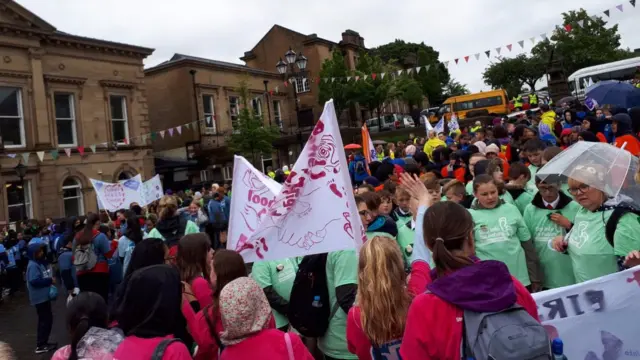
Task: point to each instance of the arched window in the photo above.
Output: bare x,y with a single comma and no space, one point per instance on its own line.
72,197
125,175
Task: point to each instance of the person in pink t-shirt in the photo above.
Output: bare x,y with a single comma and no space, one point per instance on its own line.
246,315
193,259
150,313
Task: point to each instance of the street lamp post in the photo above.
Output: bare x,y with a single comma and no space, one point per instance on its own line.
287,69
21,171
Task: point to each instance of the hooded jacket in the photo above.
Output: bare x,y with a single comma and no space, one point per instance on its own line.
624,134
547,123
355,175
434,323
167,227
38,275
382,224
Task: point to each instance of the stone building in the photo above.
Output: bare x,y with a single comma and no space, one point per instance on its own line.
60,91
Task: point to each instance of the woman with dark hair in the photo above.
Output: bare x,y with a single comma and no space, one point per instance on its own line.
149,315
592,125
171,226
193,262
128,241
92,276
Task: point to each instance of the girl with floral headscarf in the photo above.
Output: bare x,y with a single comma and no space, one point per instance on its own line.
246,315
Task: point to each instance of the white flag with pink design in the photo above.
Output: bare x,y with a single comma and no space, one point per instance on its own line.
120,195
313,212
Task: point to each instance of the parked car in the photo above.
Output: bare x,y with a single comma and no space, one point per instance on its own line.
389,122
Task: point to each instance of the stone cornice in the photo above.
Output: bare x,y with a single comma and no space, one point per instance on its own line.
65,79
15,74
117,84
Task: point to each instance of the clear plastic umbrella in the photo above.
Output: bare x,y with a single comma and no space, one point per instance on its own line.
599,165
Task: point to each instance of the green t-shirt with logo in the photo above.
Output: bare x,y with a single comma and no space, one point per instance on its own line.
556,267
497,234
591,254
469,188
403,219
267,273
531,184
342,269
405,239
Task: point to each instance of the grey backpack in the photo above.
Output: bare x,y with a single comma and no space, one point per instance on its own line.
510,334
84,258
158,352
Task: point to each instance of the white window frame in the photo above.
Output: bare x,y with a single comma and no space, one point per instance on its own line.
123,102
277,114
20,117
303,87
79,198
27,198
209,128
74,134
227,172
206,175
256,105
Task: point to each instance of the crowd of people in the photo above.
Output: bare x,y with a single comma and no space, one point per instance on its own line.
458,225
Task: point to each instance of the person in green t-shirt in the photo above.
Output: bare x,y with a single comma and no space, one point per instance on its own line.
551,213
548,154
473,160
276,279
500,233
402,212
519,176
592,255
533,149
493,168
170,226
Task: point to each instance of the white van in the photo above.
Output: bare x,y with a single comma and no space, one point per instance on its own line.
618,70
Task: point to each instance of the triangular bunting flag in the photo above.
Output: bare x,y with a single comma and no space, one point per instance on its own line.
373,76
13,156
161,133
399,72
318,80
105,145
125,141
67,151
25,158
477,56
325,79
277,87
607,12
456,60
466,58
186,126
521,43
409,71
533,40
93,148
348,78
488,53
543,36
498,50
80,150
619,7
54,154
357,78
285,83
271,92
632,2
418,68
40,155
509,47
179,129
595,18
382,75
171,129
580,23
152,136
568,27
365,77
333,79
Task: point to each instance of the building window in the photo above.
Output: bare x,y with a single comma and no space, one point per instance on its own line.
277,114
72,197
227,172
125,175
11,119
206,175
302,86
19,198
256,104
209,114
233,111
119,122
65,119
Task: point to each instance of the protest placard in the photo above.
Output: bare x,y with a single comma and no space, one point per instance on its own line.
115,196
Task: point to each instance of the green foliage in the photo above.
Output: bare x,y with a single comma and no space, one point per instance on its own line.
454,88
408,89
591,44
336,90
431,81
512,73
251,136
371,93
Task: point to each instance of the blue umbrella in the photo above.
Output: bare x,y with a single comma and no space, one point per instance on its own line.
616,93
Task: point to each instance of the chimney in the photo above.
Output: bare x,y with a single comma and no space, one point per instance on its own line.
353,38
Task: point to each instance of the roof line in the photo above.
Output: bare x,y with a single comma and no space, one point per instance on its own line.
182,59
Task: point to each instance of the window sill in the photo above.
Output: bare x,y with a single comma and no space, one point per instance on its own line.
209,131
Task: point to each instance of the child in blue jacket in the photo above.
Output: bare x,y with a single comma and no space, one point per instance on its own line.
39,281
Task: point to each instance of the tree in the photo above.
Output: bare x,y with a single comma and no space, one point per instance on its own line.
338,90
586,45
407,89
251,137
512,73
454,88
431,80
375,92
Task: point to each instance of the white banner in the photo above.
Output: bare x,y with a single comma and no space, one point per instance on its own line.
152,190
113,197
314,212
597,319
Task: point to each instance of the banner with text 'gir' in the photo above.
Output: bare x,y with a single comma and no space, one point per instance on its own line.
315,211
596,320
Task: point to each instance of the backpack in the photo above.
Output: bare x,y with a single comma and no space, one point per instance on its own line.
360,168
510,334
84,257
612,223
172,238
311,281
158,353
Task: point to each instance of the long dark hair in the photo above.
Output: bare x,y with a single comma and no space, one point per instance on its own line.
192,256
444,236
85,311
134,231
87,233
148,252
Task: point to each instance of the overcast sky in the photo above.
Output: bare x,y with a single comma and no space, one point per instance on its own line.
224,30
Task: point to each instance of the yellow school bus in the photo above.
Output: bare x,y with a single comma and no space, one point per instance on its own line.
495,102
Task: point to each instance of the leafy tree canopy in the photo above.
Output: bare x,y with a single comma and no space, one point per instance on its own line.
454,88
512,73
335,67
